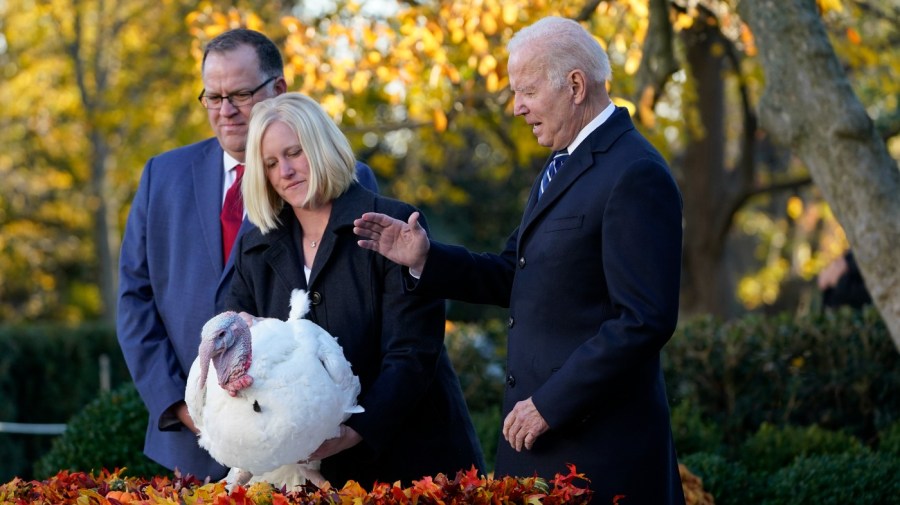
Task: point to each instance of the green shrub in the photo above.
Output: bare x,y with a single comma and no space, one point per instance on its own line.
773,447
692,432
836,479
837,369
487,426
54,370
477,353
889,440
107,433
728,482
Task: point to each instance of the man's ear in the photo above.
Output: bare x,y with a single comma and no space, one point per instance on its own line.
280,86
577,83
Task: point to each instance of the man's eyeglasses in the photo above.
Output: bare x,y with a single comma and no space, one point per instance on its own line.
236,99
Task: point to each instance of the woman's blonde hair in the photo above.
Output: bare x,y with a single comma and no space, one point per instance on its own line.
332,166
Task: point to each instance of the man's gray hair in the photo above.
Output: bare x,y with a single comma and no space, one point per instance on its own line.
564,45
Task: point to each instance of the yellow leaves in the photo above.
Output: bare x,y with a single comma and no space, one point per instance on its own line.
682,21
639,7
440,120
633,60
645,105
487,65
622,102
478,42
794,207
827,6
763,288
202,494
333,104
510,13
492,83
748,41
488,24
360,81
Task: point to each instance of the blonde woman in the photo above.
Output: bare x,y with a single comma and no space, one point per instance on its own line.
300,191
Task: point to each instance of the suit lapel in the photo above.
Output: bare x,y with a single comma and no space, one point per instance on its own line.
207,176
583,159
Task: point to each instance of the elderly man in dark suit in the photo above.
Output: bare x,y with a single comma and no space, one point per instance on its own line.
176,266
591,278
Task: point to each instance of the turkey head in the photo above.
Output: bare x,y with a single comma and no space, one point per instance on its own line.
225,341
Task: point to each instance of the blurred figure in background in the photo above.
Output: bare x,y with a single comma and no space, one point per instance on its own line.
841,283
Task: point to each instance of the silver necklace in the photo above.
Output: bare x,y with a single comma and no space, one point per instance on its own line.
313,244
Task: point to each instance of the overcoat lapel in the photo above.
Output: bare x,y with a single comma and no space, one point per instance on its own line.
344,210
284,251
284,242
580,161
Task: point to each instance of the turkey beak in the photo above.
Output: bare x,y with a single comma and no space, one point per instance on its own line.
205,355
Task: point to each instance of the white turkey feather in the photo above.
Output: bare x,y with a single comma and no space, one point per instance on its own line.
302,389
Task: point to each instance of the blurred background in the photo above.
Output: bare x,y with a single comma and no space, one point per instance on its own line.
90,89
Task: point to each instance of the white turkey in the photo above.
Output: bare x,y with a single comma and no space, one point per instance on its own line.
284,387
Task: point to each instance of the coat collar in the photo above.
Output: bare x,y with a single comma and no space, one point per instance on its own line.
282,245
599,141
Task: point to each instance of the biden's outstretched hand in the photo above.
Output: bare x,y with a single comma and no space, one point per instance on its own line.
403,243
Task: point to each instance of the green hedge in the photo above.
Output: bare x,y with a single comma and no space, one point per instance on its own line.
729,482
839,370
735,387
837,479
773,448
107,433
47,374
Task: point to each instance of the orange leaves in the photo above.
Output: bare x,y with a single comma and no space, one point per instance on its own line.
468,488
418,57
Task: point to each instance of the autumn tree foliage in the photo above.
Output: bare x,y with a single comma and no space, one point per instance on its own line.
421,90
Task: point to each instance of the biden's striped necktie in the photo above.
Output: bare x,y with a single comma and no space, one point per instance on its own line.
558,159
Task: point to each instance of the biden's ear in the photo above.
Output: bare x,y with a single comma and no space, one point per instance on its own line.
577,84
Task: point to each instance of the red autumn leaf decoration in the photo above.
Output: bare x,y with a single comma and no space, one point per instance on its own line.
467,488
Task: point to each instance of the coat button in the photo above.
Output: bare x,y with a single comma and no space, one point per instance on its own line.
510,381
522,262
315,298
511,322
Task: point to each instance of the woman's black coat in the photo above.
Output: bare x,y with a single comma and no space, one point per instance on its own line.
415,422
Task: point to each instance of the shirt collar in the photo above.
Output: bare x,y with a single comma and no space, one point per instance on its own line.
593,125
229,162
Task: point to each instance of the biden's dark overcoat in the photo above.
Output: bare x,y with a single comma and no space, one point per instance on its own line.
591,278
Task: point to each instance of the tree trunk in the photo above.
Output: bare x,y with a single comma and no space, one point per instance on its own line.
104,228
712,190
808,104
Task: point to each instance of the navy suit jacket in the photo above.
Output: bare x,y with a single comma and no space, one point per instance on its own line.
171,281
591,278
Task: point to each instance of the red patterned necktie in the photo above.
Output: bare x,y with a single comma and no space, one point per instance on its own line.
232,214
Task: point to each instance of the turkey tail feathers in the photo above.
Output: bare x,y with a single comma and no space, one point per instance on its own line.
299,304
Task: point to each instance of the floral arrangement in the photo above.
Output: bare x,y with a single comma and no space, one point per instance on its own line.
112,488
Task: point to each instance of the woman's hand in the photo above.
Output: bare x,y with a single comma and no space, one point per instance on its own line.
249,319
347,439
